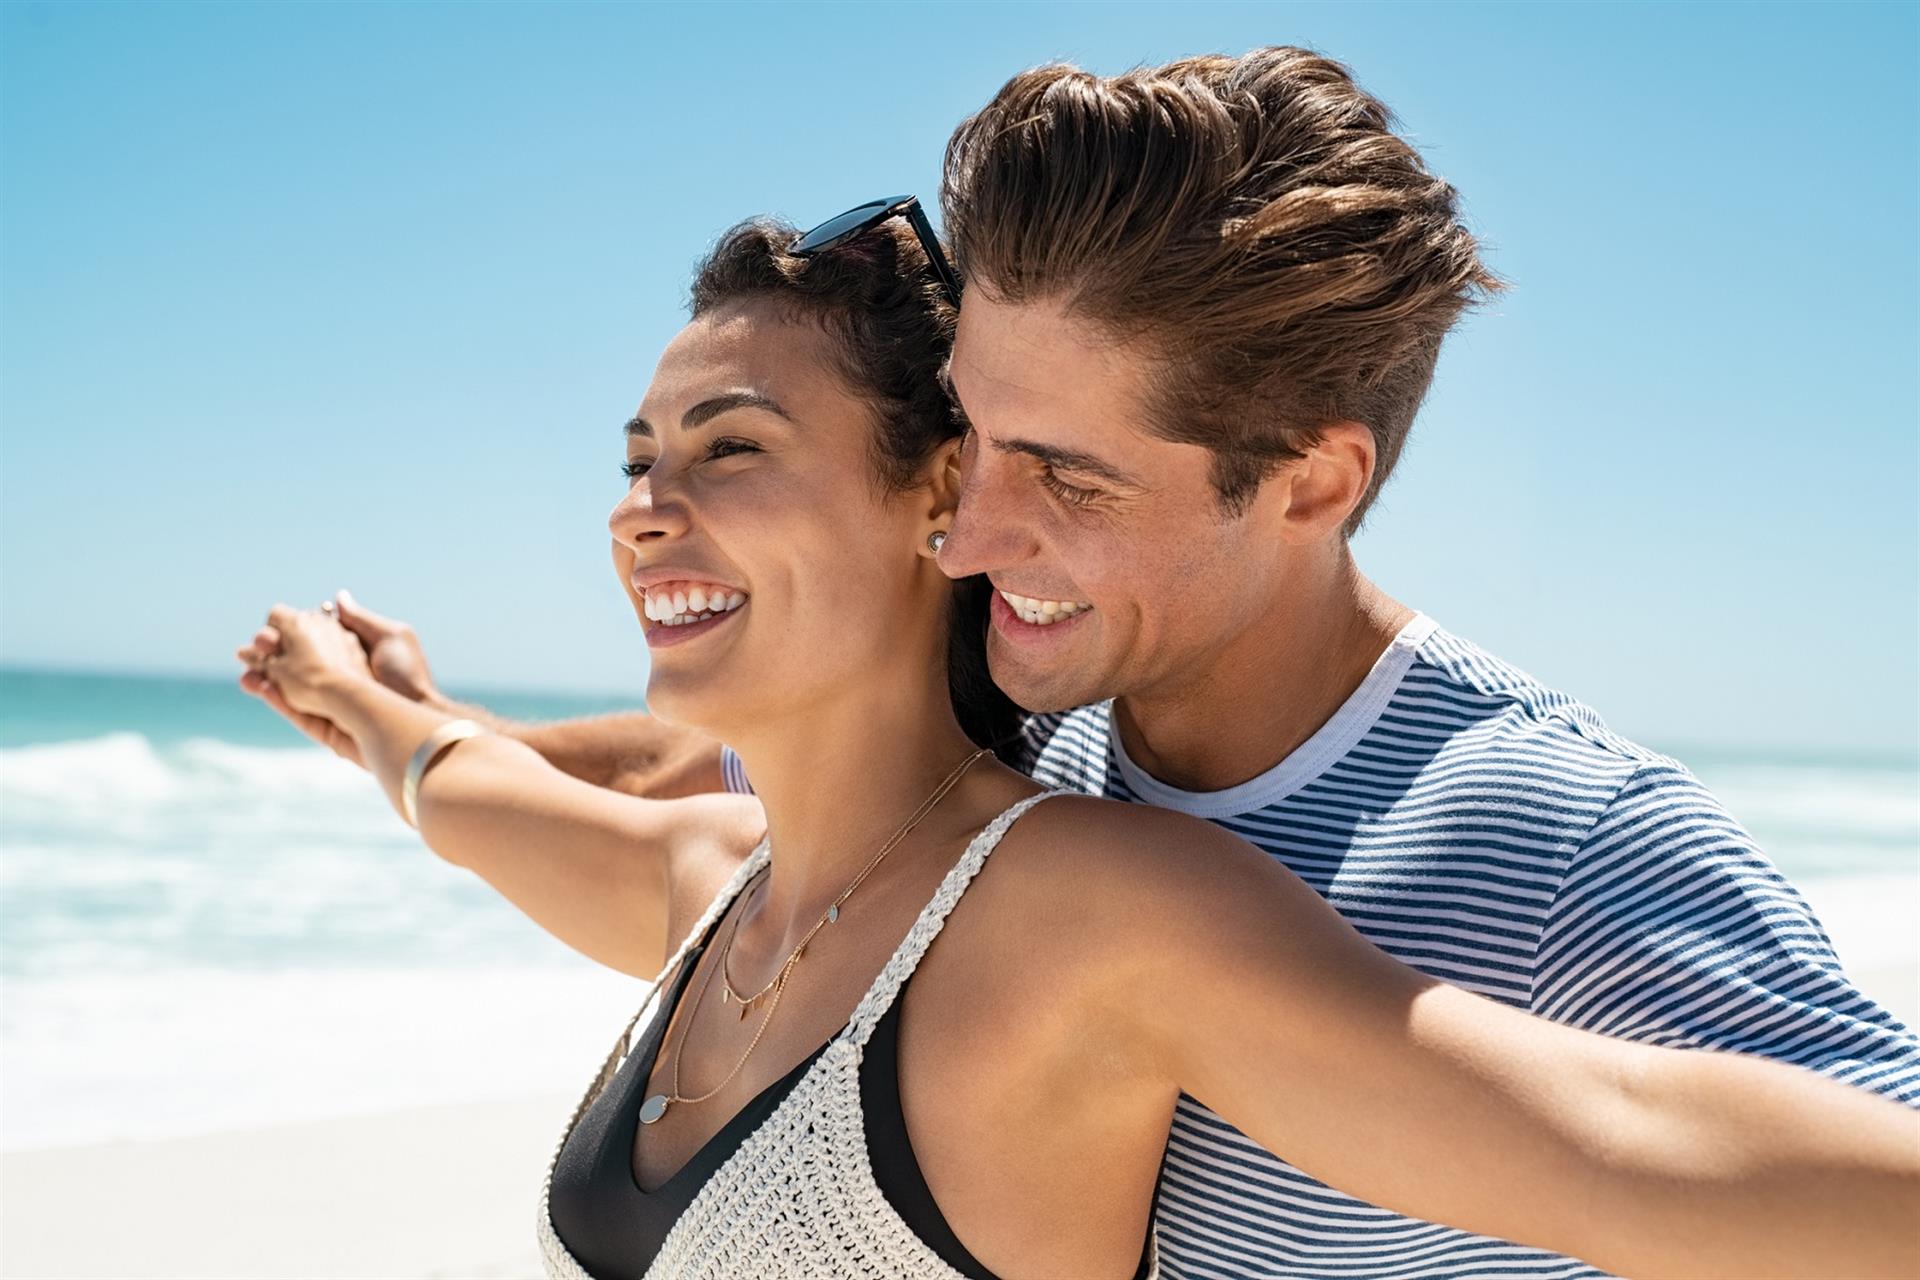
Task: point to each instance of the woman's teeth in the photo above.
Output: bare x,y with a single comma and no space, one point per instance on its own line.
1042,613
681,602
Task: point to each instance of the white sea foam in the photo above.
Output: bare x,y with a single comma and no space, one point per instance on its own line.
121,785
1861,803
1822,820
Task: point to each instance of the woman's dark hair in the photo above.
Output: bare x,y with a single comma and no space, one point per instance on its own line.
891,328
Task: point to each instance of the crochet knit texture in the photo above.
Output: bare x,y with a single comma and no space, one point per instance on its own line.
798,1200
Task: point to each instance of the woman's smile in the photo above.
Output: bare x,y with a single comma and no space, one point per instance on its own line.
683,602
684,627
677,608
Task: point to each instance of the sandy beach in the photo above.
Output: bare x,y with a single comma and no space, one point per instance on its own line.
445,1192
451,1191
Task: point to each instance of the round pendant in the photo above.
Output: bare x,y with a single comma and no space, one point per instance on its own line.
653,1108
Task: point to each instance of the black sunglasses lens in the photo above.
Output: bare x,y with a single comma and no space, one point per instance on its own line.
834,230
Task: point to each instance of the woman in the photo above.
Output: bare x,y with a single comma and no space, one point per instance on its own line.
875,1052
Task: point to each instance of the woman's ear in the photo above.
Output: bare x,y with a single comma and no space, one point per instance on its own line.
942,492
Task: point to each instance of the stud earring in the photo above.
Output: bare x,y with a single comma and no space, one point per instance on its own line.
936,540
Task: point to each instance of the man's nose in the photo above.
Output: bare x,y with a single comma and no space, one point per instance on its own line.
989,532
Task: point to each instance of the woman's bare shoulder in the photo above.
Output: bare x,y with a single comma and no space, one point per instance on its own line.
1121,866
1086,839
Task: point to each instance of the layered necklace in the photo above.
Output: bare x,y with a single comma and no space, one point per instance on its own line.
656,1106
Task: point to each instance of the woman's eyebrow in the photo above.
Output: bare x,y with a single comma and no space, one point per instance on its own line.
710,408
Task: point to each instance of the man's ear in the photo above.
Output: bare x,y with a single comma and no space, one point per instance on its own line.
1318,492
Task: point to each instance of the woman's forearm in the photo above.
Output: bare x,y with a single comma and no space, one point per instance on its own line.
1719,1164
387,727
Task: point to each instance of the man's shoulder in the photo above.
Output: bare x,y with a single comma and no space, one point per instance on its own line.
1458,723
1490,711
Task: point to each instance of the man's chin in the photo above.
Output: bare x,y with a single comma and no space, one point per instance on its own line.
1036,689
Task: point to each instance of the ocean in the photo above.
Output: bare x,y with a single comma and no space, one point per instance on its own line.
207,922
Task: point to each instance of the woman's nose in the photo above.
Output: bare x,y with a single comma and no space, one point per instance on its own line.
645,514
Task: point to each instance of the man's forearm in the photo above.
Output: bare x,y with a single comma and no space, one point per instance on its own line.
627,751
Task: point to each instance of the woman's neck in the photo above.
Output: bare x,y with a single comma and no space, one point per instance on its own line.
837,784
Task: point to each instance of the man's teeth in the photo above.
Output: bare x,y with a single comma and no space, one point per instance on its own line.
681,603
1042,613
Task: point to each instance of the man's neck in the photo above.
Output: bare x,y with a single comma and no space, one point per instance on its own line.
1245,710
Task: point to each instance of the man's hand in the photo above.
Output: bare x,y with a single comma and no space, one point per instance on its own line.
393,650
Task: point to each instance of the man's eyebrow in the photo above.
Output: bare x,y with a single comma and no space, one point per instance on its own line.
1069,460
1054,456
711,408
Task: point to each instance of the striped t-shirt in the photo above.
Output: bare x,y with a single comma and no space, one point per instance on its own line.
1493,833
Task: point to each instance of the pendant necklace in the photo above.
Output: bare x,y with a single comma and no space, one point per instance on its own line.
656,1106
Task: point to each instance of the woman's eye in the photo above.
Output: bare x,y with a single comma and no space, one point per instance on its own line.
1071,494
635,469
726,446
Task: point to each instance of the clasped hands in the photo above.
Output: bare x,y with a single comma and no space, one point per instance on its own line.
300,660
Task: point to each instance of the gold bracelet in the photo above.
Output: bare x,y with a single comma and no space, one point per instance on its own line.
438,741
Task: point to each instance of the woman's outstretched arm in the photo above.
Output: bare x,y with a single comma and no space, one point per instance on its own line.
595,868
1255,997
627,751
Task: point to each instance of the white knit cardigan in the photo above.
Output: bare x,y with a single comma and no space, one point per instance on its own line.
798,1200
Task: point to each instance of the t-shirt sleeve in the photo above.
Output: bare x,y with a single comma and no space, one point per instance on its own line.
734,773
1673,928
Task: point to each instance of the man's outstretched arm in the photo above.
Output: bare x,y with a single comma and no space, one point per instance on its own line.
627,751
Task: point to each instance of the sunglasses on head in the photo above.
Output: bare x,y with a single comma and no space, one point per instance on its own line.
864,217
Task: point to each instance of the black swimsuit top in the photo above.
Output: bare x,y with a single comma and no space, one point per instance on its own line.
614,1229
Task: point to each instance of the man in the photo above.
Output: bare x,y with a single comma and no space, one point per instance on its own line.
1204,302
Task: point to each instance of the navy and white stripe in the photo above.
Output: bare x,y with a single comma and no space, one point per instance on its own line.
1494,833
734,772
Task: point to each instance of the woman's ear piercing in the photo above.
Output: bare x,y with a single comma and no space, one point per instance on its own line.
936,540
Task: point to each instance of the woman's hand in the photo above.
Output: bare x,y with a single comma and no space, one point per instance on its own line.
315,660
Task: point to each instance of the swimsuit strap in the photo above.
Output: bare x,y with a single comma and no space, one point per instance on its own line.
702,927
886,987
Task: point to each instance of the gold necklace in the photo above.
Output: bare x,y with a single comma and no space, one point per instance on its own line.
656,1106
832,915
726,978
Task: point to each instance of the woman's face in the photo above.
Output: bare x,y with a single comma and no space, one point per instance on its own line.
768,570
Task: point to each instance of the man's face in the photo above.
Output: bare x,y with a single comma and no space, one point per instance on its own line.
1068,499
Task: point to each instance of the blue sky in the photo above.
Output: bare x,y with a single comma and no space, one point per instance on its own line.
298,296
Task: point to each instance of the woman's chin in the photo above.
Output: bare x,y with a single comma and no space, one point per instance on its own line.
695,700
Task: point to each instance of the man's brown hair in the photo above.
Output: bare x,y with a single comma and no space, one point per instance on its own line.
1254,219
